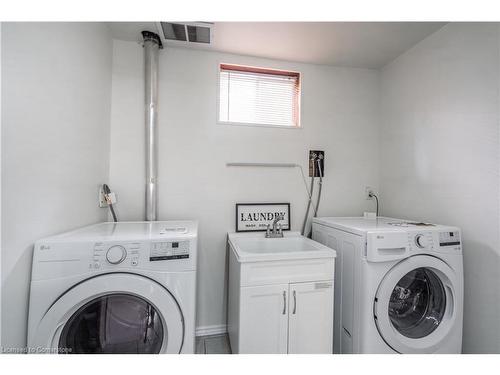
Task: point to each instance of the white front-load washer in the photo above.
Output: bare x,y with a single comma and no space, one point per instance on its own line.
127,287
398,286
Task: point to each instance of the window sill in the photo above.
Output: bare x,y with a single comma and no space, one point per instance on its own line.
258,125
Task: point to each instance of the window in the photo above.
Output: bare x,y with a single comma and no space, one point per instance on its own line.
259,96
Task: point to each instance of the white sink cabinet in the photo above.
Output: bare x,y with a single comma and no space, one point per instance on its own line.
280,294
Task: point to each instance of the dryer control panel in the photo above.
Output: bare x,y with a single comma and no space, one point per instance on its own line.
115,254
169,250
136,247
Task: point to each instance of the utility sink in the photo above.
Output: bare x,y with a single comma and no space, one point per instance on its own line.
280,294
253,247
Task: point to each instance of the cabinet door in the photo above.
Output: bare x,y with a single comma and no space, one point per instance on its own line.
264,319
311,318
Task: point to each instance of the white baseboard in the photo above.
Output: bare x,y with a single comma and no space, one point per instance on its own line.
211,330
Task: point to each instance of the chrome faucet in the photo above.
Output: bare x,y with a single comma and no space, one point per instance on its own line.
276,231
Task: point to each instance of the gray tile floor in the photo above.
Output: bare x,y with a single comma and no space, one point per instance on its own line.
215,344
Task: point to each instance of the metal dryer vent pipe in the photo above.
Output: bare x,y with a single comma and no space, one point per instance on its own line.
152,45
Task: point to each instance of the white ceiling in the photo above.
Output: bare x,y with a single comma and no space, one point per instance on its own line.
354,44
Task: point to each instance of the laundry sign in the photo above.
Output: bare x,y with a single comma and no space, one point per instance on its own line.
257,216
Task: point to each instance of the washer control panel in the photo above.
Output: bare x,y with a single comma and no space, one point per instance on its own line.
449,239
420,241
434,241
116,254
169,250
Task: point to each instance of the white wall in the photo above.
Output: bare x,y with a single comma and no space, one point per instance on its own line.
339,115
0,181
56,91
439,156
438,145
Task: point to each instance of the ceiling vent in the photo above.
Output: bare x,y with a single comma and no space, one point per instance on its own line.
186,33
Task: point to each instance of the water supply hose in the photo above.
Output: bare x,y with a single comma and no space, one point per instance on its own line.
309,202
316,207
319,188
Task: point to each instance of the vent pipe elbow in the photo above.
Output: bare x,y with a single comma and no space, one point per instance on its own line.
152,45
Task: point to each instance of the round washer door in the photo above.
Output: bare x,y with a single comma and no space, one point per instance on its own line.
113,313
415,305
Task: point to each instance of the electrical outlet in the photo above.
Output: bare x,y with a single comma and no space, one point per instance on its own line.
368,192
316,163
101,199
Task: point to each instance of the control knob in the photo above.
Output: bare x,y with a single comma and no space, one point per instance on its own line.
116,254
421,241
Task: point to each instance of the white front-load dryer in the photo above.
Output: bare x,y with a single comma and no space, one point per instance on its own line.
127,287
398,286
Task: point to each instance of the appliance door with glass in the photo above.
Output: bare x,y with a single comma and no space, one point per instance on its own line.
112,313
415,305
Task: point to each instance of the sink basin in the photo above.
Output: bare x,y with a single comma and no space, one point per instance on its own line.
276,245
252,247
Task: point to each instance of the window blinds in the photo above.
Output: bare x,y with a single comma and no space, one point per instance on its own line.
259,96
